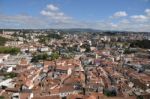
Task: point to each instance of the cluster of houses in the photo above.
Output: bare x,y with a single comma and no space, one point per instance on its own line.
97,69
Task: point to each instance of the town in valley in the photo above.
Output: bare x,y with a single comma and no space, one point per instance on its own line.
74,64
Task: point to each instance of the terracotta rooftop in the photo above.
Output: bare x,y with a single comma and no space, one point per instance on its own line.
47,97
23,62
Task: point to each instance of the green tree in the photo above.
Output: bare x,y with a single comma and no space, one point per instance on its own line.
2,97
3,41
54,36
54,55
10,75
38,57
9,50
141,44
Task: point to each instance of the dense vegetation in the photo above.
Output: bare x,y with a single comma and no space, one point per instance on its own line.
38,57
10,75
128,51
44,39
54,56
2,41
141,44
54,36
9,50
45,56
109,92
2,97
87,47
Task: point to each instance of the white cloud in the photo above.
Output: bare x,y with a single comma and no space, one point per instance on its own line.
52,7
21,21
53,17
119,14
124,21
53,13
147,11
139,17
142,18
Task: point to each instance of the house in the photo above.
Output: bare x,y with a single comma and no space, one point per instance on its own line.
92,48
67,90
13,43
12,61
24,49
10,69
32,49
47,97
15,96
44,49
23,62
26,95
64,69
8,83
3,57
82,49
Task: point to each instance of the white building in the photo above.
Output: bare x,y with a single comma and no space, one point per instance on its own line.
32,49
3,57
8,83
44,49
13,43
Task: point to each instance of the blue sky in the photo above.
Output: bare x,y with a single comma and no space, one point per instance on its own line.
131,15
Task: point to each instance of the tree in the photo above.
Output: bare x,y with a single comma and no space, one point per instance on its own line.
3,41
10,75
128,51
9,50
141,44
44,56
2,97
87,47
15,34
36,58
54,56
109,92
54,36
42,40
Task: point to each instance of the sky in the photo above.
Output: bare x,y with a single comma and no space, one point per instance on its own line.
122,15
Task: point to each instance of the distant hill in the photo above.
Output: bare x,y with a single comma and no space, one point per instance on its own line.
72,30
80,30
